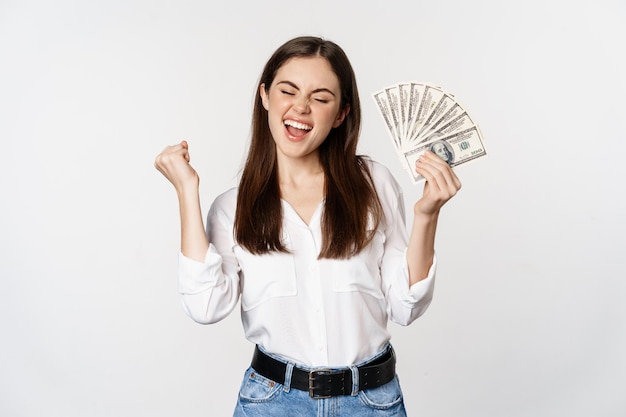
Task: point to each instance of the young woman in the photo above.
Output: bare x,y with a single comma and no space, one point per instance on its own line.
314,243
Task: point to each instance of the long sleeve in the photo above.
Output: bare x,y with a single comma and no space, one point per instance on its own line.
210,289
404,303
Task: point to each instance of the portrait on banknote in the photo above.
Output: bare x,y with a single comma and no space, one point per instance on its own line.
443,151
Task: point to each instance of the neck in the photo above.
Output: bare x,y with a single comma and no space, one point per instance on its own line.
299,171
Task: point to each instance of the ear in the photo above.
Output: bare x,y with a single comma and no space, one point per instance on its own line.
264,96
341,116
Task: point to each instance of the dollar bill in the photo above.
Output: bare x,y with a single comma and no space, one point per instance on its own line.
416,90
455,149
404,90
385,112
430,97
393,99
460,122
439,114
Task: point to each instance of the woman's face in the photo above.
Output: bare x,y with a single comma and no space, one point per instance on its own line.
303,105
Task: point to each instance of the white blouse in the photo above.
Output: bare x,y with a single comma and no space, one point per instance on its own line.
316,312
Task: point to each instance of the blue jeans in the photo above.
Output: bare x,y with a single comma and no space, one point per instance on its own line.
262,397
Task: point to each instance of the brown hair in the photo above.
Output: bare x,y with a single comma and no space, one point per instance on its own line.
351,199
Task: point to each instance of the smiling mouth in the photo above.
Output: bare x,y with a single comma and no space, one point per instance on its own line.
297,129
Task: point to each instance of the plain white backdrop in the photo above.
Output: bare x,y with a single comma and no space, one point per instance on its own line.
528,317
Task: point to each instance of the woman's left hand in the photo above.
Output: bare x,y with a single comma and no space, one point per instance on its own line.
441,184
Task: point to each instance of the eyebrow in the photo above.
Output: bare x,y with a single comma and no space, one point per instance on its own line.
317,90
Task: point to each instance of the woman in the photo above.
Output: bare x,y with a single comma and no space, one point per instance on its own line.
314,242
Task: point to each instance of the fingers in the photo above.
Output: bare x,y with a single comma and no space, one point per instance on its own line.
439,176
185,147
441,183
171,153
173,163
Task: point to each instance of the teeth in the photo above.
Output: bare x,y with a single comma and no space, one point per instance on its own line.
298,125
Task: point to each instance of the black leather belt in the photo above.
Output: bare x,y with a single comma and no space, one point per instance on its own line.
326,383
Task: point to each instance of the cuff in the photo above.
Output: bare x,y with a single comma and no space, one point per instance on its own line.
195,276
421,289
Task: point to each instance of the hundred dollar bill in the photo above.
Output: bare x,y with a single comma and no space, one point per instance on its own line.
430,97
416,90
438,112
461,122
393,99
383,107
455,149
404,89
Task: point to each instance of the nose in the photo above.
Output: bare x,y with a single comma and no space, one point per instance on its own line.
302,105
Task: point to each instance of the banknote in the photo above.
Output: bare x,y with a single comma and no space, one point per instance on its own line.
423,116
430,97
416,91
440,114
455,149
393,98
404,91
460,122
385,111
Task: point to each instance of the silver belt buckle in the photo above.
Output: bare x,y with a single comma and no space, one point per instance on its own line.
312,378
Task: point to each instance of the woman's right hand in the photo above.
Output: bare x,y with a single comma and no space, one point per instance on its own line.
173,163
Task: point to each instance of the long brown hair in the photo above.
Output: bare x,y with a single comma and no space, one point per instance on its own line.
351,202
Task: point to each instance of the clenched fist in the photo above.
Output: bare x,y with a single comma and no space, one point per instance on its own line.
173,163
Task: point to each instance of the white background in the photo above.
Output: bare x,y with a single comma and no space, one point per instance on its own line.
528,317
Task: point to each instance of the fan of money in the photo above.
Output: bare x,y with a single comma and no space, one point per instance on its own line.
422,116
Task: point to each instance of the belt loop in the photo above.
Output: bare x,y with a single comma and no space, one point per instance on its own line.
288,373
355,380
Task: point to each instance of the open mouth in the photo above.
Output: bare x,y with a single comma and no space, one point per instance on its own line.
297,129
